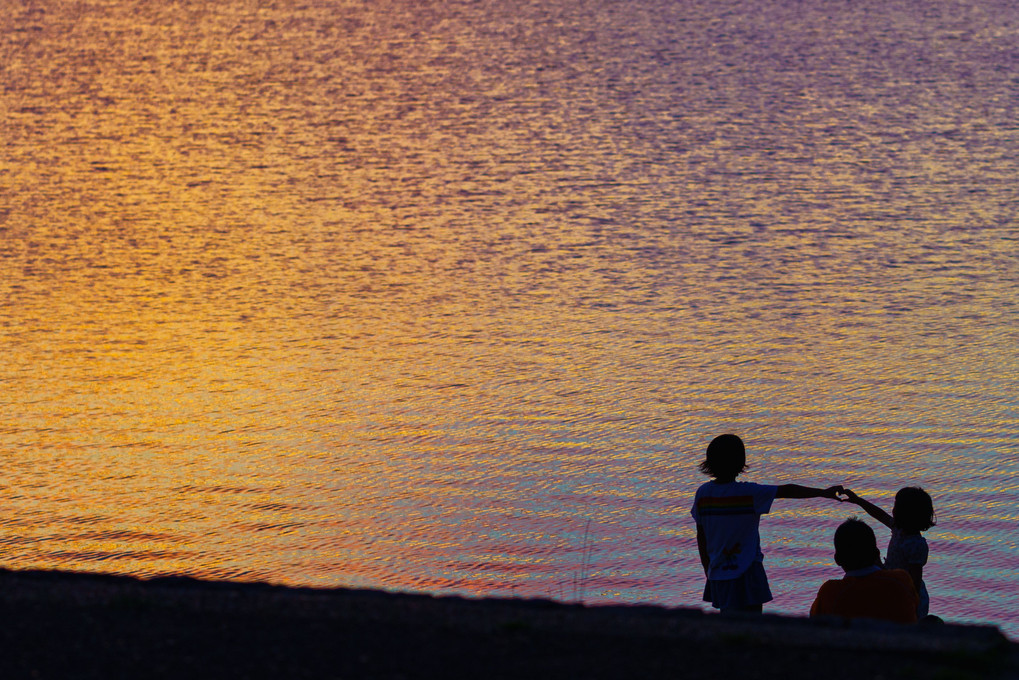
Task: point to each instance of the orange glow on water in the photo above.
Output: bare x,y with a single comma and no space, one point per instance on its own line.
451,296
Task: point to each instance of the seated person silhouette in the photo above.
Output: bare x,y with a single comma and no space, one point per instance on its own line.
867,590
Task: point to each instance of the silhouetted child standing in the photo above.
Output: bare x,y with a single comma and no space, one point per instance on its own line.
728,515
912,513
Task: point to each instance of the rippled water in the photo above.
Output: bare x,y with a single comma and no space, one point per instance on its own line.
450,296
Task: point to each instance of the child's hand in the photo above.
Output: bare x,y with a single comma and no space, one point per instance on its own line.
834,491
850,497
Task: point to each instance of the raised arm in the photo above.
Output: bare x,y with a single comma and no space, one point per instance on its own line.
797,491
868,507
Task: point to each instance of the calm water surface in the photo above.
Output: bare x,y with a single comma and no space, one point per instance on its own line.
450,296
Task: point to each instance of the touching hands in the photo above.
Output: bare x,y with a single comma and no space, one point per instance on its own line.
847,496
841,494
833,492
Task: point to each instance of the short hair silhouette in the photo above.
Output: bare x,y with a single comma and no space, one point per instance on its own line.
726,457
913,510
856,545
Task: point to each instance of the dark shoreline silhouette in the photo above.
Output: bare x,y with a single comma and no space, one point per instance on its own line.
61,625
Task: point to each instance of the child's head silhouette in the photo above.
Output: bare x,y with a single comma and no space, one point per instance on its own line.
855,545
913,510
725,459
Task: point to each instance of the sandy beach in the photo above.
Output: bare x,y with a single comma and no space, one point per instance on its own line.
65,625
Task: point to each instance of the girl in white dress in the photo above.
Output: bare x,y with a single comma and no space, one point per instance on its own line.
912,514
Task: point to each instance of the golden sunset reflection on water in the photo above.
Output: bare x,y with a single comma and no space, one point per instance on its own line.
451,296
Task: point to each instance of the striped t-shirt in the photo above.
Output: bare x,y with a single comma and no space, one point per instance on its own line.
729,515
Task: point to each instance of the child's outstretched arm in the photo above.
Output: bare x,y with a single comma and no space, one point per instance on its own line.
797,491
868,507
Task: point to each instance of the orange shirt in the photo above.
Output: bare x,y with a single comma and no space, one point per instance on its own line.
886,594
